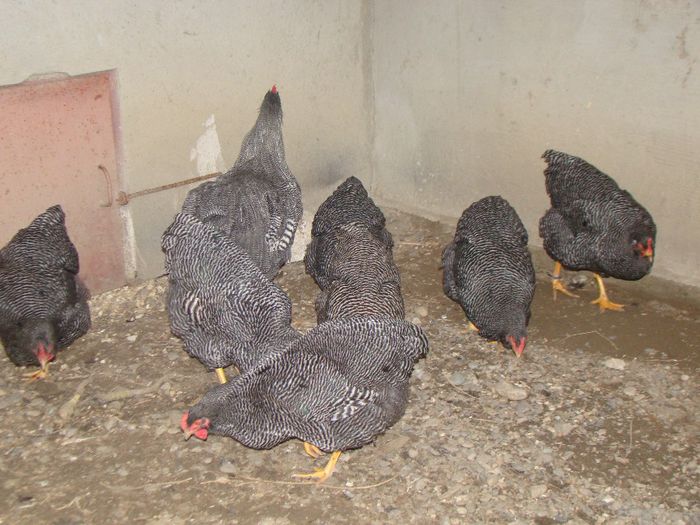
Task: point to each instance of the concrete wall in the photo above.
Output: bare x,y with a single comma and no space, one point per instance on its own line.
179,63
434,104
468,94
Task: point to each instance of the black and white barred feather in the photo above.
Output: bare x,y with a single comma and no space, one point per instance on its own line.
488,270
225,310
350,257
337,387
257,203
42,299
593,224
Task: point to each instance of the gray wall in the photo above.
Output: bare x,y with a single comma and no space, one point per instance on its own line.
467,96
433,104
181,62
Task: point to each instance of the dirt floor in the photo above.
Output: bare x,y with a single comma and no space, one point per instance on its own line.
597,423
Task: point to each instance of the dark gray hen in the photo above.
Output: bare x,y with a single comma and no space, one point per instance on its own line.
488,270
257,203
338,387
350,257
43,303
594,225
220,304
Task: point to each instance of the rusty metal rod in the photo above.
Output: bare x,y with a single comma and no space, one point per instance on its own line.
124,198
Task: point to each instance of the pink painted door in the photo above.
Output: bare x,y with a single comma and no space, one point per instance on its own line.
57,146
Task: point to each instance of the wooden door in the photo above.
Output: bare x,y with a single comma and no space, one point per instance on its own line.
58,146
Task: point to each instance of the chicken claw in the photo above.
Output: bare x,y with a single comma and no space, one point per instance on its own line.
37,374
603,301
313,450
557,286
322,474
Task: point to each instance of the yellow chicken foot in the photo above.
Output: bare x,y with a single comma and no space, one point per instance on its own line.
603,301
221,376
556,283
313,450
472,327
322,474
38,374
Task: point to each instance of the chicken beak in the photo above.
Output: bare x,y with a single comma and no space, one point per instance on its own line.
44,355
519,347
199,428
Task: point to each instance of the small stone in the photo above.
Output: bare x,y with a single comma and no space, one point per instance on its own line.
630,391
510,391
685,377
563,429
412,453
537,491
227,467
131,338
422,311
615,363
457,378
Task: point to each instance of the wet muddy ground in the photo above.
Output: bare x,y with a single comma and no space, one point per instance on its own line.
597,423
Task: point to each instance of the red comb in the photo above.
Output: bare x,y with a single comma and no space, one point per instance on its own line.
274,89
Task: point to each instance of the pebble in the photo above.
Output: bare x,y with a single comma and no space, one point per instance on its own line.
131,338
563,429
537,491
510,391
630,391
422,311
685,377
615,363
457,378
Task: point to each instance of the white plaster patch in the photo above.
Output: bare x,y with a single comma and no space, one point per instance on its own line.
207,150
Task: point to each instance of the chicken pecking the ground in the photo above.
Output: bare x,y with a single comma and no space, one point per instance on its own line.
488,270
594,225
43,302
257,203
225,310
337,388
350,257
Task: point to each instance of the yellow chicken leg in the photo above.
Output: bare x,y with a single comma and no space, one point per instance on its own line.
322,474
38,374
556,283
221,376
603,301
313,450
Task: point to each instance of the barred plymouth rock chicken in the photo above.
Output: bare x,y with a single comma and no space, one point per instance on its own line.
338,387
43,303
257,202
220,304
488,270
594,225
350,257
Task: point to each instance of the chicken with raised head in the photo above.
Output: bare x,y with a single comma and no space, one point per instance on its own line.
338,387
43,302
488,270
350,257
225,310
594,225
257,203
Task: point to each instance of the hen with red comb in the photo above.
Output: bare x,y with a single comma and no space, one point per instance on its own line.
257,203
43,303
488,270
594,225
